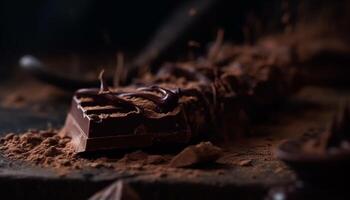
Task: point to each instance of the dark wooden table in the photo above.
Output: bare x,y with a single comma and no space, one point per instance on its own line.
312,107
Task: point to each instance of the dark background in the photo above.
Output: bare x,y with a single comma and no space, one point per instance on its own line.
65,26
90,26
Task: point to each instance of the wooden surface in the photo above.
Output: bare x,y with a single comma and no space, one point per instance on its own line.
312,107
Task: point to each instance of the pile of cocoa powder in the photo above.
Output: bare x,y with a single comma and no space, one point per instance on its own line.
48,149
43,148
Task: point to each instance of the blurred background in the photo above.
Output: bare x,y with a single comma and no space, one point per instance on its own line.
73,37
48,48
88,33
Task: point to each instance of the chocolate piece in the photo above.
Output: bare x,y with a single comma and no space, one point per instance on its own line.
245,163
96,125
203,152
183,102
105,119
117,191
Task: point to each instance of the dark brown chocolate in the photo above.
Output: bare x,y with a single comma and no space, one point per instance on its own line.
181,103
103,119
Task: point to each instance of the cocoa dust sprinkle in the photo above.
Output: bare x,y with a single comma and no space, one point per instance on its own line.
48,149
43,148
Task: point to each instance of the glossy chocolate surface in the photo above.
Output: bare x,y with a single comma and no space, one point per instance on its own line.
103,119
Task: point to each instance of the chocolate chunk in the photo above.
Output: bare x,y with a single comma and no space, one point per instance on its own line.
105,119
117,191
203,152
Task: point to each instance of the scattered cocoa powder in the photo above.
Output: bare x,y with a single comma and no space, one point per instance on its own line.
44,148
48,149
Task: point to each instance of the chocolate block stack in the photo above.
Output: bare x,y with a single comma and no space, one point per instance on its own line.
183,102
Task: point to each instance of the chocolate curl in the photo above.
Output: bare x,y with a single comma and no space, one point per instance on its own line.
115,99
215,49
168,100
103,83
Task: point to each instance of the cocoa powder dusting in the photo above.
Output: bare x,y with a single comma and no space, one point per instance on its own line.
48,149
44,148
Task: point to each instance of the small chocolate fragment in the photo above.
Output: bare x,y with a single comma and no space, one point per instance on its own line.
203,152
117,191
245,163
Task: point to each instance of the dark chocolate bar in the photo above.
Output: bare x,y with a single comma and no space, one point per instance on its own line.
134,118
182,102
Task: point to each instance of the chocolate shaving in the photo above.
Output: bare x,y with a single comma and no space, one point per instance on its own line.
103,83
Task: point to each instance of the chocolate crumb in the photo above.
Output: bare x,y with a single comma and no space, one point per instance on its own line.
278,170
96,165
155,159
203,152
118,190
245,163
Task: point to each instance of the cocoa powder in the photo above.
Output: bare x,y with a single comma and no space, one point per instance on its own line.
43,148
48,149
